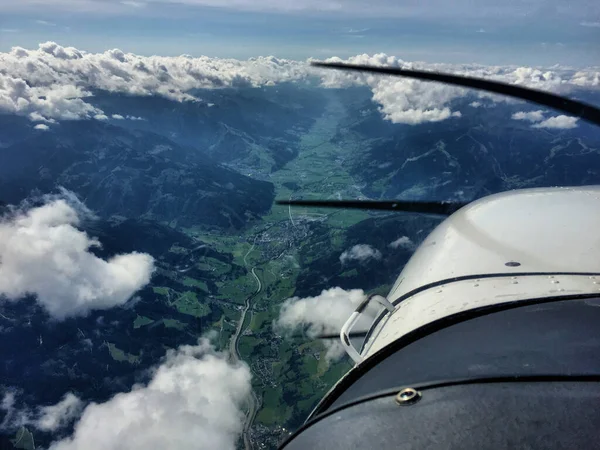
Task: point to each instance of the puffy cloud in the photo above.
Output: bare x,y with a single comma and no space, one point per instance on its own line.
360,252
17,96
403,242
60,52
193,399
43,253
402,100
531,116
46,418
560,122
413,102
54,417
195,395
117,116
42,127
586,78
324,314
14,417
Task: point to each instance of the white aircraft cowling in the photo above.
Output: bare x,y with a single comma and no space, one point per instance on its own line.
516,245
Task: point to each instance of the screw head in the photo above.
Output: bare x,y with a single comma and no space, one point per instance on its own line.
408,396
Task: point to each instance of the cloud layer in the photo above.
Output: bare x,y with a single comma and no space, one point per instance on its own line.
43,253
55,82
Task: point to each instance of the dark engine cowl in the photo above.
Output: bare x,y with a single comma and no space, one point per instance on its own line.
519,376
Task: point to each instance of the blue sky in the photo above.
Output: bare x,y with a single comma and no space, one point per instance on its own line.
532,32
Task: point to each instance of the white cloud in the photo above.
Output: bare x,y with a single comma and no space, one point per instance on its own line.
324,314
13,416
45,23
43,253
475,104
402,100
403,242
117,117
360,252
42,127
194,399
559,122
530,116
586,78
134,4
590,24
54,417
356,30
103,117
43,103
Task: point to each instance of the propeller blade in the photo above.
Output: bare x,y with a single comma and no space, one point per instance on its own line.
439,208
355,334
573,107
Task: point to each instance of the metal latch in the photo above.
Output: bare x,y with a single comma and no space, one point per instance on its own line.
347,328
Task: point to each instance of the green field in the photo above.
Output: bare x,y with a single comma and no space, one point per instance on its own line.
188,303
121,356
274,411
218,268
161,290
237,290
173,323
141,321
192,282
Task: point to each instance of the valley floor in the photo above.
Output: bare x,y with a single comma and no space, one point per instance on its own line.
270,252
